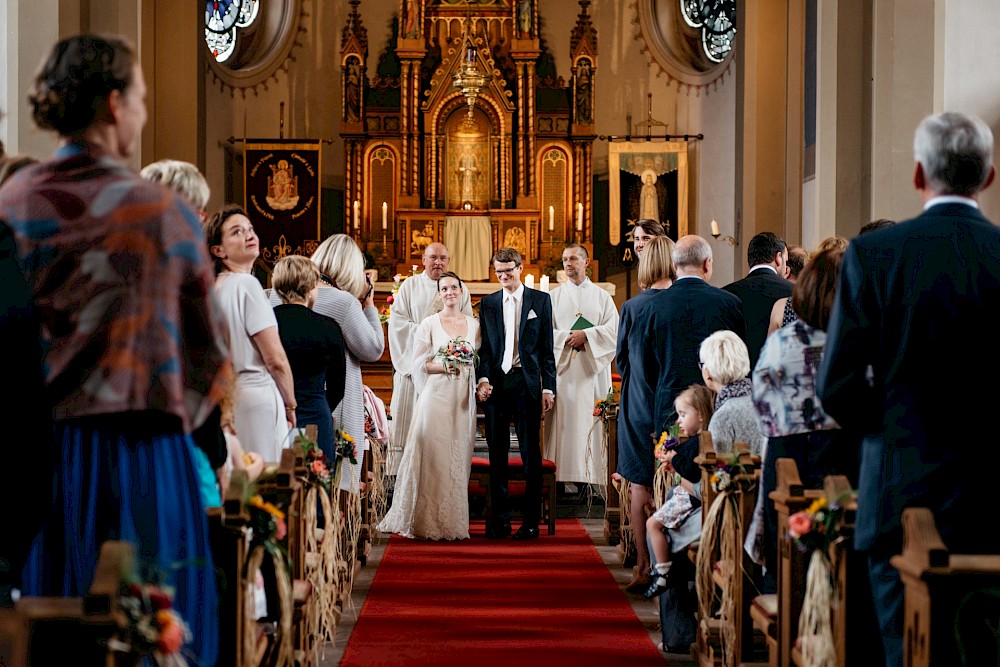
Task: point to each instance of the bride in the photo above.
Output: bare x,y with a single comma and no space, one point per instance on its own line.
431,500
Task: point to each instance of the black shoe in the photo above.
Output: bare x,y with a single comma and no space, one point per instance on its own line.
660,583
498,532
526,533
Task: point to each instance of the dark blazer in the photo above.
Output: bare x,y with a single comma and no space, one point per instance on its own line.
534,341
911,303
758,292
676,322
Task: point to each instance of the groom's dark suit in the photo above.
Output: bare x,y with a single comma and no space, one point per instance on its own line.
516,397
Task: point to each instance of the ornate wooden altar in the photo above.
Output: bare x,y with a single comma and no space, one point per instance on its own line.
510,148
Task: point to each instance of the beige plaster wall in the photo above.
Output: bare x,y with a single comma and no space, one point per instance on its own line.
971,77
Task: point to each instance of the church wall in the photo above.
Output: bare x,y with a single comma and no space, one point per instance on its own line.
971,78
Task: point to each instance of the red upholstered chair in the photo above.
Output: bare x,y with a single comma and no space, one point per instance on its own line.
479,485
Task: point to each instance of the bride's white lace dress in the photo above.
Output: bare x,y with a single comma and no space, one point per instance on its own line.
430,499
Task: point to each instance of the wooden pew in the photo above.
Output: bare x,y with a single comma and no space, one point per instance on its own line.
939,588
612,507
854,628
777,615
69,630
734,630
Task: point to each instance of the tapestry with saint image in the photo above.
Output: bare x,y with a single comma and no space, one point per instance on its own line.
282,195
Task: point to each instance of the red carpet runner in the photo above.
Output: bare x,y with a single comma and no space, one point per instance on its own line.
482,602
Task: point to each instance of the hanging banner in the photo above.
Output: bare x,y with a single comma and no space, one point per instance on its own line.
647,180
281,179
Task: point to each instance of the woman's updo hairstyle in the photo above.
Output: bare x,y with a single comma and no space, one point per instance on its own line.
73,84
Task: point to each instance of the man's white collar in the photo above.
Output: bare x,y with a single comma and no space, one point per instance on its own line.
763,266
951,199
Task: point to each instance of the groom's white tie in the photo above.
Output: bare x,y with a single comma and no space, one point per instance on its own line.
509,324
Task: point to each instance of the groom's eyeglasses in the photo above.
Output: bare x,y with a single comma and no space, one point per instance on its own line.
506,272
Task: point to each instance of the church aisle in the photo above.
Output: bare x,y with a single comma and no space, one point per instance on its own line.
493,602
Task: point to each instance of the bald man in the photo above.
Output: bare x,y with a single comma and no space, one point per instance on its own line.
416,300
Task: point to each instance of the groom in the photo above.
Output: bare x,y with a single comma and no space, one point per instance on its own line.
517,383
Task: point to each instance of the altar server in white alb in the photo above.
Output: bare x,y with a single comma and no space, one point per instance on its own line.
586,331
416,300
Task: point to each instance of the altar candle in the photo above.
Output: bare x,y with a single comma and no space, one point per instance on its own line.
552,218
529,281
385,216
544,282
715,228
357,214
579,217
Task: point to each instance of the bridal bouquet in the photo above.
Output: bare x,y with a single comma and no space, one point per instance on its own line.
457,353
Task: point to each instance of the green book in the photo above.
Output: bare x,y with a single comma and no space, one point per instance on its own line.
581,323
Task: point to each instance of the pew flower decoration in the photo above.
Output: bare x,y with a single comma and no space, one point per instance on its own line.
154,627
602,406
729,467
266,520
817,527
344,445
318,466
456,354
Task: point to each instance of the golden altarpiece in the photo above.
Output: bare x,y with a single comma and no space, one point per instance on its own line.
464,134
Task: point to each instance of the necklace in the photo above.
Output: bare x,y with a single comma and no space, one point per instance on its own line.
455,328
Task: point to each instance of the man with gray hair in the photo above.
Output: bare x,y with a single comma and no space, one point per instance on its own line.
416,299
909,297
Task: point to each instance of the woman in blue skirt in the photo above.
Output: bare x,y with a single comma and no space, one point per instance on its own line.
133,344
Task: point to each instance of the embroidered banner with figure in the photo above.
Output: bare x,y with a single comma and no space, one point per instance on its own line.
282,185
647,180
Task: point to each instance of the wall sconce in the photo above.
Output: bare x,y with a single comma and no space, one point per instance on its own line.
715,234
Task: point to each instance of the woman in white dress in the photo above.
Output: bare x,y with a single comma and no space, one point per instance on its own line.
431,498
264,397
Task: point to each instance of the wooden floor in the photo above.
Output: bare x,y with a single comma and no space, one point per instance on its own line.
592,519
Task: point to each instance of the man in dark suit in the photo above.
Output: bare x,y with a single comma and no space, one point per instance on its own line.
767,255
909,297
676,321
517,382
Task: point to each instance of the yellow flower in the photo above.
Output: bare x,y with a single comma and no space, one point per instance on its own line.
347,437
817,505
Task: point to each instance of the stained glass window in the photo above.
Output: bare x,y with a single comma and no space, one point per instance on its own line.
717,20
222,19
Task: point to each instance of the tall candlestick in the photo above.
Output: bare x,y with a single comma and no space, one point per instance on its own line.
529,281
552,218
357,214
715,228
579,217
385,215
544,283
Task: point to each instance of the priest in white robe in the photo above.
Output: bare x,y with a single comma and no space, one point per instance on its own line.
586,332
416,299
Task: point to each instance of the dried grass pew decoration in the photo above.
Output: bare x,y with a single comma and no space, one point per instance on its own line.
604,409
378,485
732,474
321,545
267,527
349,515
817,531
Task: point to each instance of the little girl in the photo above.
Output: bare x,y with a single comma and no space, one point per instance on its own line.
672,525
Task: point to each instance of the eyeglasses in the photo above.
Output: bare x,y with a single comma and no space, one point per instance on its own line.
701,365
327,279
506,272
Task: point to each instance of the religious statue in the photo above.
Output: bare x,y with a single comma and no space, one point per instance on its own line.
583,93
467,174
524,17
352,91
649,200
410,19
